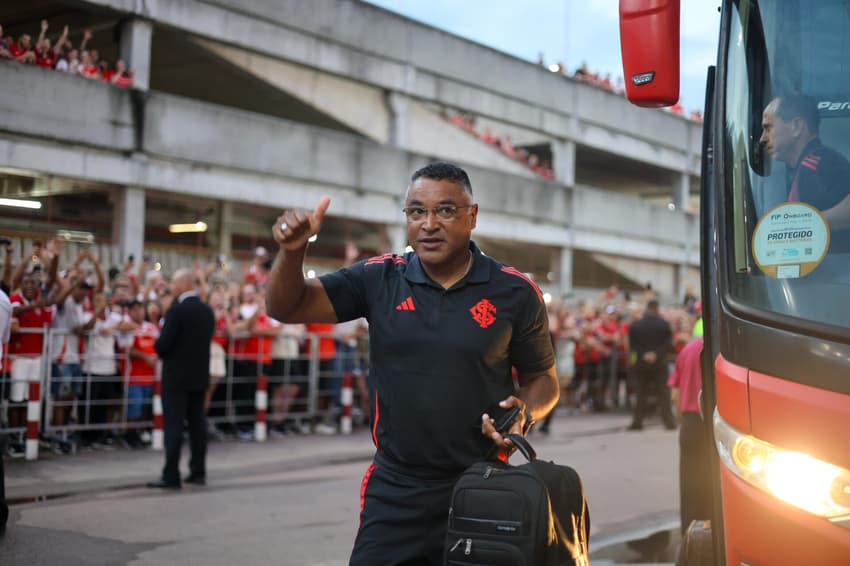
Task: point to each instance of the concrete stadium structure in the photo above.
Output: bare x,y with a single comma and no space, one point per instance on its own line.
242,108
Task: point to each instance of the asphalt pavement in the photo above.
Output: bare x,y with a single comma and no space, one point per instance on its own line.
92,507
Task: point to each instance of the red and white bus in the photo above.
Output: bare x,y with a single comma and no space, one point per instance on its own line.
775,272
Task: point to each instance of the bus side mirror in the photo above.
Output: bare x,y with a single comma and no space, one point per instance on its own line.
649,40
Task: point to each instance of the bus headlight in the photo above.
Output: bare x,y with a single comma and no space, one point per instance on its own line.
793,477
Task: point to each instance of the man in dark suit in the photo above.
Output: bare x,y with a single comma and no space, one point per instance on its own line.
184,347
650,340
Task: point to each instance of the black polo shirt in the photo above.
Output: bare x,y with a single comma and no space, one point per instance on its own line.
820,179
439,357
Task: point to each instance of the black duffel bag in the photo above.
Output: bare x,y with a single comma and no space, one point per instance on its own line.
534,514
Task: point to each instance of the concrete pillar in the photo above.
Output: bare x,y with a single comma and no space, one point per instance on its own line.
225,230
564,162
136,50
399,106
681,281
130,223
682,191
683,270
563,268
397,236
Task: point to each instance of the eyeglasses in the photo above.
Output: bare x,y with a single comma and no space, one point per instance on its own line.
443,212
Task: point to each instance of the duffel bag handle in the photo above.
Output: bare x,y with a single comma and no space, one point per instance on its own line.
523,446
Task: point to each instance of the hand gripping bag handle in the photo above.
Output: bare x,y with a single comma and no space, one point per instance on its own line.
523,446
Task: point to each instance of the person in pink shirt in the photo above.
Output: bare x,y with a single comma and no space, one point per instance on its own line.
694,485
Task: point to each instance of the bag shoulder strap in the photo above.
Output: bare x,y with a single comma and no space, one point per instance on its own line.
523,446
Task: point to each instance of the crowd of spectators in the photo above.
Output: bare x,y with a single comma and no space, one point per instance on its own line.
541,167
606,82
597,79
61,55
103,323
592,346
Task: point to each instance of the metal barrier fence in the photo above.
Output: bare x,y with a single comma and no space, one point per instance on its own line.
60,402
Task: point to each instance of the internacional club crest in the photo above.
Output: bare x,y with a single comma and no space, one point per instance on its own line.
484,313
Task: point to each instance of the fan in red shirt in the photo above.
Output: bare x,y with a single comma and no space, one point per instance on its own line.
330,383
5,46
587,354
255,349
87,68
258,273
623,363
253,354
123,80
45,55
103,71
143,360
218,358
22,50
121,76
608,331
30,316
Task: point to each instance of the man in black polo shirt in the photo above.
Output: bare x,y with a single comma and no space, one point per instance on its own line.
446,324
650,340
816,175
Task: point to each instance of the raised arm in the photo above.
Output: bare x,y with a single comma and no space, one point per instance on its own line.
99,308
60,292
19,271
61,41
98,271
86,38
41,35
289,297
53,251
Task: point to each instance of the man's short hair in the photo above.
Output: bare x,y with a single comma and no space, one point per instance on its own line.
799,106
652,305
442,171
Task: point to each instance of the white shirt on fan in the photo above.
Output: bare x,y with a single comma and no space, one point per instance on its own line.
100,353
65,345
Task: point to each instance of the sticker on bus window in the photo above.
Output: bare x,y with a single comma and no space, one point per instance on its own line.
790,240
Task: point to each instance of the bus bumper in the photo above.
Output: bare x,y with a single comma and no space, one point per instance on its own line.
761,530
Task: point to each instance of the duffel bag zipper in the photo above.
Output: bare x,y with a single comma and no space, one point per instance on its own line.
467,550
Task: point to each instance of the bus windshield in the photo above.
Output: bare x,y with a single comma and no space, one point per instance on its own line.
786,143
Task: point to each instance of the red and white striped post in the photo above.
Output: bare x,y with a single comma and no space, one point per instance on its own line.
157,437
346,397
261,402
33,420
